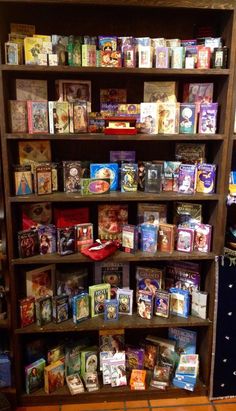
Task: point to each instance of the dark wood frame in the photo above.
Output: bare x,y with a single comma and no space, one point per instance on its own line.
59,16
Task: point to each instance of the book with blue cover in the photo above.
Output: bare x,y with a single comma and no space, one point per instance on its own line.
185,340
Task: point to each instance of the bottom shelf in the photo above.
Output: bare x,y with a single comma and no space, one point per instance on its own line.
106,394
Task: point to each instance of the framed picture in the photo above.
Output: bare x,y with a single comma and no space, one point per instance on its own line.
72,90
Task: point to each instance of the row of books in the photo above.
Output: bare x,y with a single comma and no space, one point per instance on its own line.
159,291
151,177
153,361
62,117
24,46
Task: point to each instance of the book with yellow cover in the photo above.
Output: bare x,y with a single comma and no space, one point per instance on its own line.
54,376
44,37
33,47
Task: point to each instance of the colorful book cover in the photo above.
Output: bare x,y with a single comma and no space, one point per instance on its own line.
202,238
148,242
188,118
198,93
161,57
187,178
152,213
168,118
23,180
80,307
185,239
111,218
34,375
185,213
37,117
54,376
183,275
80,117
208,118
185,340
206,175
18,116
47,239
32,48
129,177
179,302
98,294
106,170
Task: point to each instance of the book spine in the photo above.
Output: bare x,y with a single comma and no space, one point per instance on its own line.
51,106
30,117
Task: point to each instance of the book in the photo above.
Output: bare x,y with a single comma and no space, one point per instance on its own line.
33,152
27,311
187,178
208,118
66,240
166,237
162,303
98,294
160,91
168,117
72,172
190,153
171,174
47,239
185,213
40,282
23,180
58,117
32,48
114,273
37,117
188,118
43,310
153,178
125,301
74,384
206,176
183,275
179,302
111,341
145,304
80,117
148,239
80,307
18,116
149,279
138,379
72,90
186,340
60,309
105,170
113,95
111,312
111,218
43,179
129,177
34,375
32,89
202,238
149,118
185,239
54,376
198,93
28,245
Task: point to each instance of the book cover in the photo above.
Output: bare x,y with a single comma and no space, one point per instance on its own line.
80,117
160,91
208,118
149,118
18,116
111,218
106,170
190,153
113,95
188,118
185,213
34,375
61,117
168,118
72,90
98,294
185,340
23,180
40,282
152,213
37,117
206,176
54,376
80,307
32,89
114,273
187,178
32,47
183,275
47,239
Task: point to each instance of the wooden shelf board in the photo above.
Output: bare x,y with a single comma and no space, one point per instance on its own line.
103,137
107,392
8,390
125,321
118,256
114,196
111,70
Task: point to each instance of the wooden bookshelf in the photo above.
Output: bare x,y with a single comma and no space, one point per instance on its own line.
120,17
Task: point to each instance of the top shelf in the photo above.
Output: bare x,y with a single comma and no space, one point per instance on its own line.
200,4
111,70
